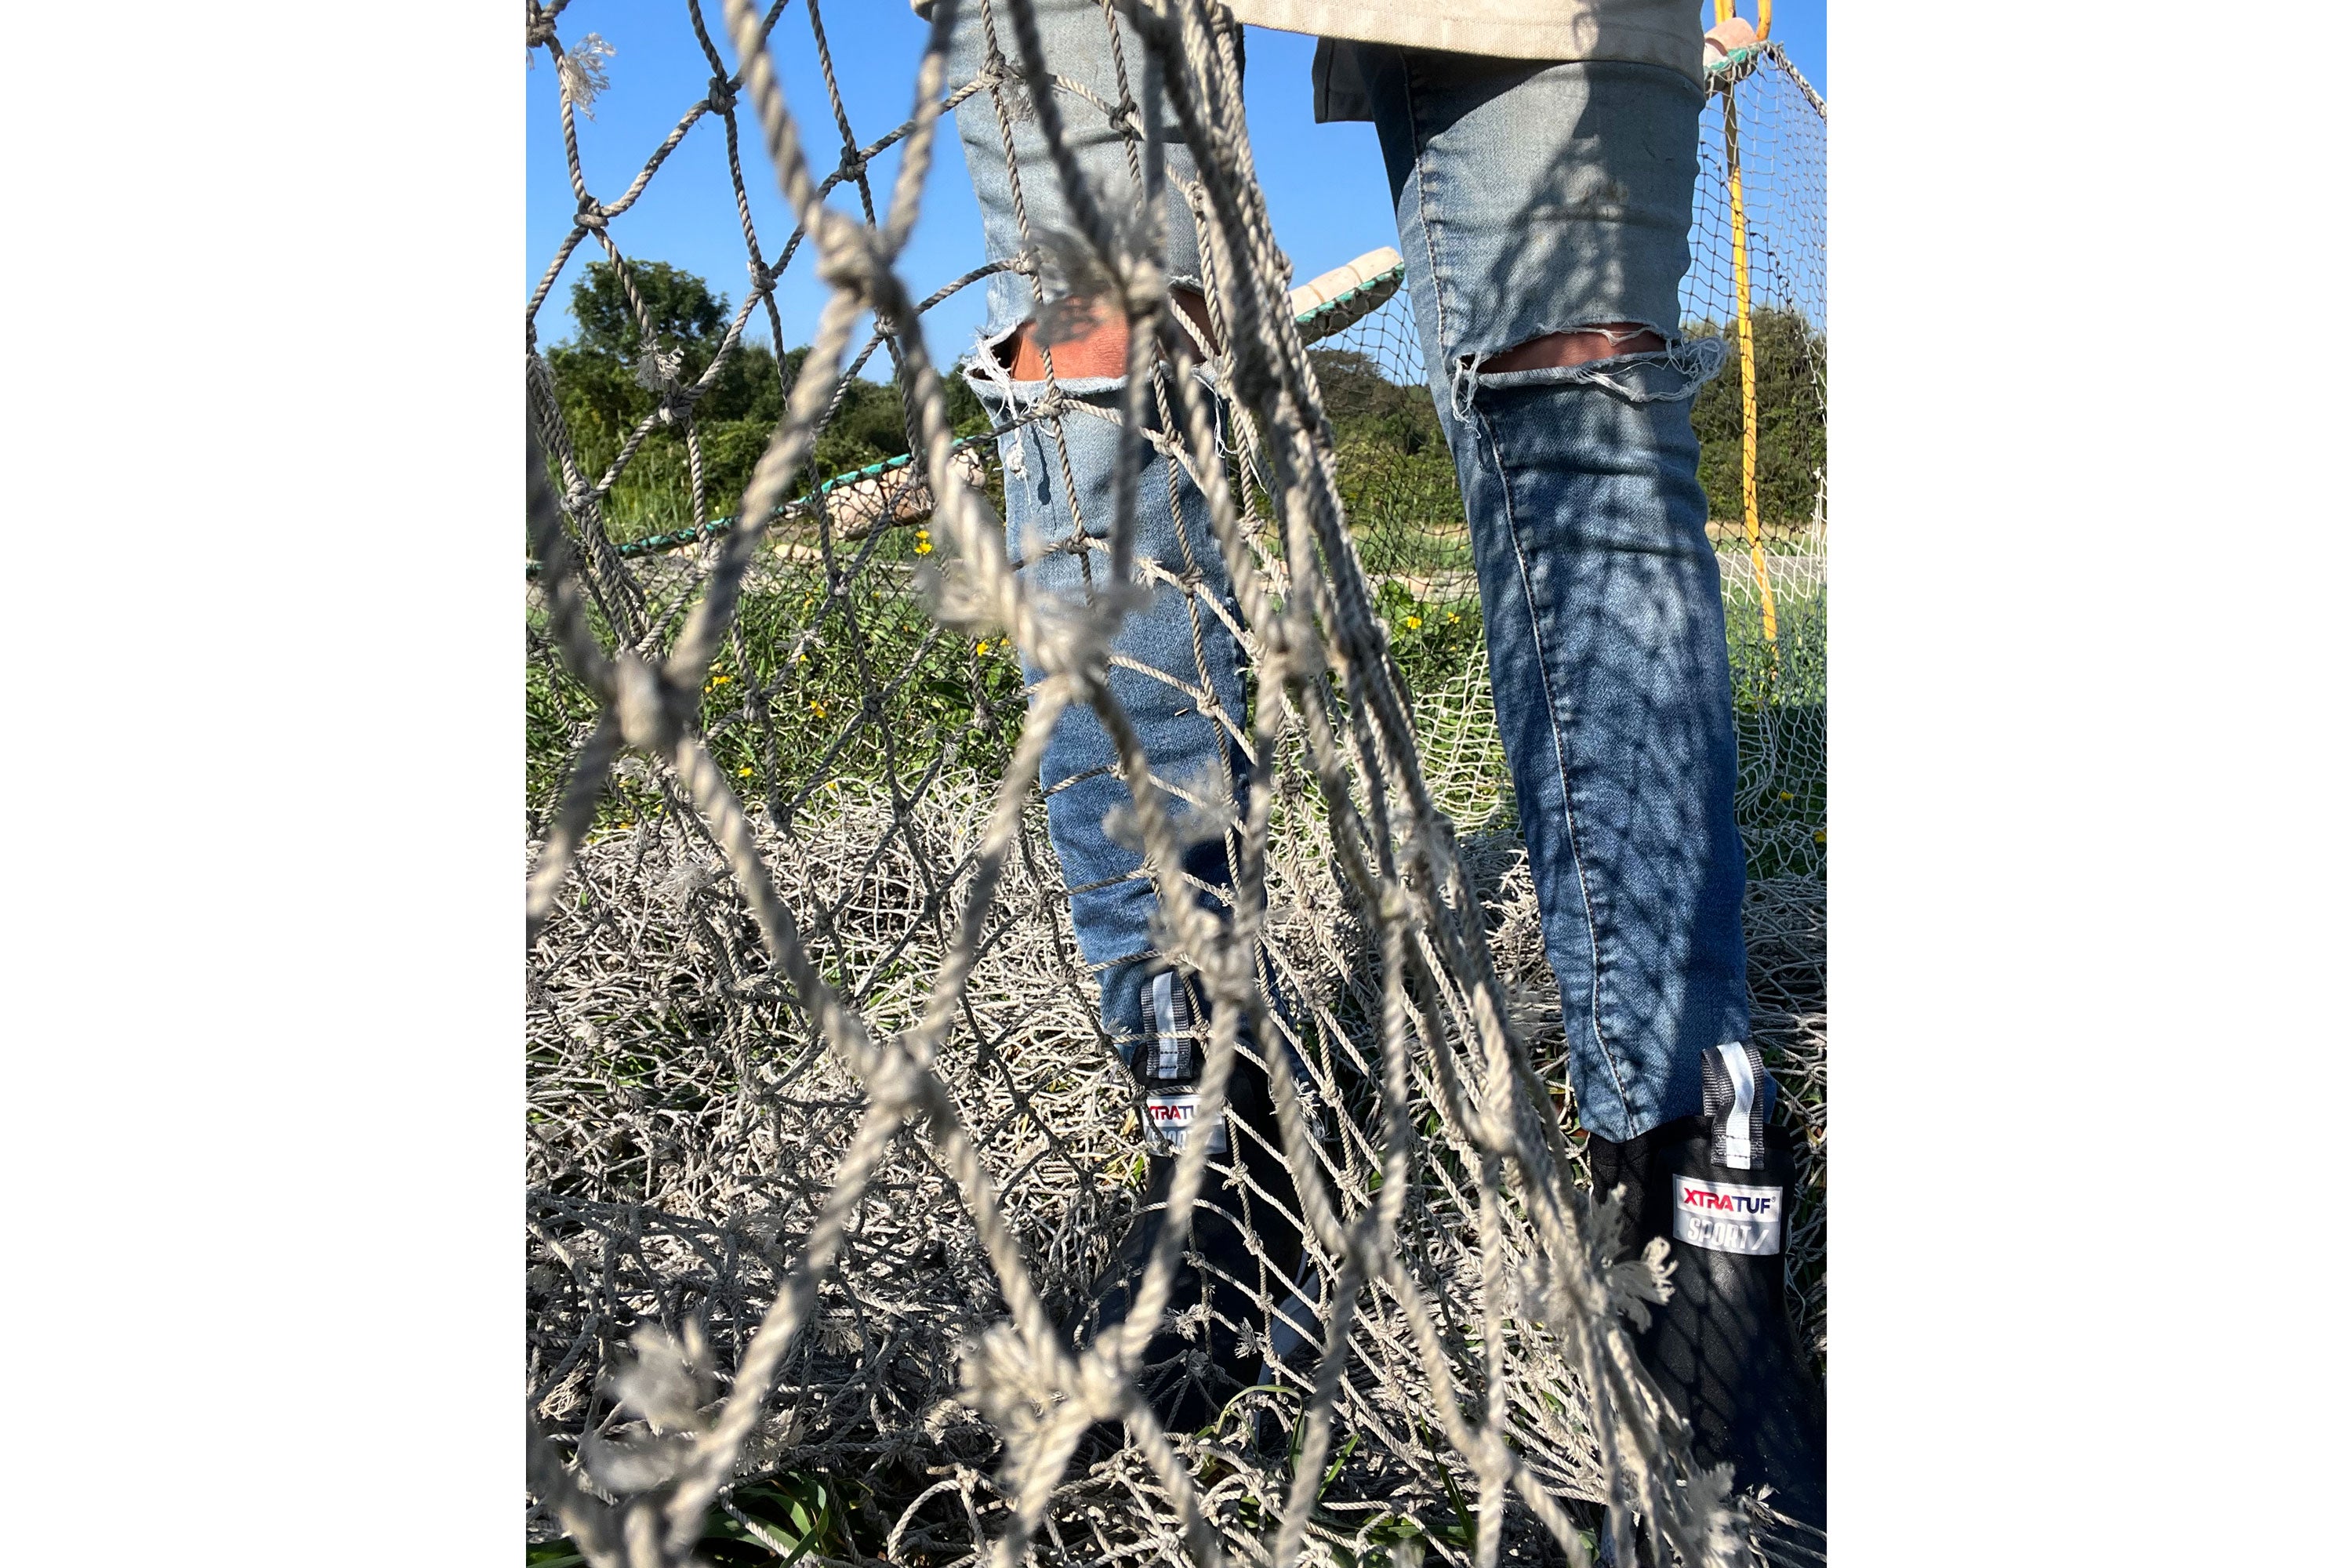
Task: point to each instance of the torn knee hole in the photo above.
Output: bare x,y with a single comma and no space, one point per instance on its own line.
1559,350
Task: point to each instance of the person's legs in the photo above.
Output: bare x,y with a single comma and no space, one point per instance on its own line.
1175,671
1543,211
1177,668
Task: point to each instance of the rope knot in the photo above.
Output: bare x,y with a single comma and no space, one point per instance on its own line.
645,704
723,95
1143,282
847,257
657,367
763,279
539,29
591,214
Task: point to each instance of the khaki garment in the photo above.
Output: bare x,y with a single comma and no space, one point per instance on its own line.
1649,32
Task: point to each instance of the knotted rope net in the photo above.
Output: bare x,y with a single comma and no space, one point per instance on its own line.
825,1133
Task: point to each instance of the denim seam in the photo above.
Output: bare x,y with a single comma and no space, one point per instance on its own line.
1559,753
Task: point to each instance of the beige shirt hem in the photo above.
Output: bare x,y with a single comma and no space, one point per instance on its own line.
1573,32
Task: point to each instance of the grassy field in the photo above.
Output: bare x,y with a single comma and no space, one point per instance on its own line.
845,680
821,685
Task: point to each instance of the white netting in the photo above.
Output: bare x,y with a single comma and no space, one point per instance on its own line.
823,1133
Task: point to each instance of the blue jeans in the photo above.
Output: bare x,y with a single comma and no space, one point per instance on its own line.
1530,198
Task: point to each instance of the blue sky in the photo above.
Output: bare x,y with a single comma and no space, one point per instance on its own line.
1323,183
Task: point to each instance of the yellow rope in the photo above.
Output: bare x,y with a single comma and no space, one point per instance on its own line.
1747,363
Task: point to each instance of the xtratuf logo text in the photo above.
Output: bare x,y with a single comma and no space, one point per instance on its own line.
1171,1117
1728,1217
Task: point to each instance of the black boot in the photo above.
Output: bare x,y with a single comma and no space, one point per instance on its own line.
1723,1349
1199,1360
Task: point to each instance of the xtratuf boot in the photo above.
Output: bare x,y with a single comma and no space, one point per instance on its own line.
1213,1332
1723,1349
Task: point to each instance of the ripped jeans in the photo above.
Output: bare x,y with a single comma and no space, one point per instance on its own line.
1530,199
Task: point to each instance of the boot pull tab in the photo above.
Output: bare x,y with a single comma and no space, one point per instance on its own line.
1171,1018
1170,1069
1731,1081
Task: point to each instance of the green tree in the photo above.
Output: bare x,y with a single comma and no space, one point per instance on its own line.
605,378
1396,476
1792,431
679,308
1365,406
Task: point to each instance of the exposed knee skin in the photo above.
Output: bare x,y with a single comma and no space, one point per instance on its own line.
1557,350
1103,350
1100,353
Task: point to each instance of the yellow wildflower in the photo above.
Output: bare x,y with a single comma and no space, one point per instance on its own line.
1786,796
1412,623
983,650
1821,838
742,773
924,548
817,708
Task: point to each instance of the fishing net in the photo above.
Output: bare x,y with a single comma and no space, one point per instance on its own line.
825,1134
